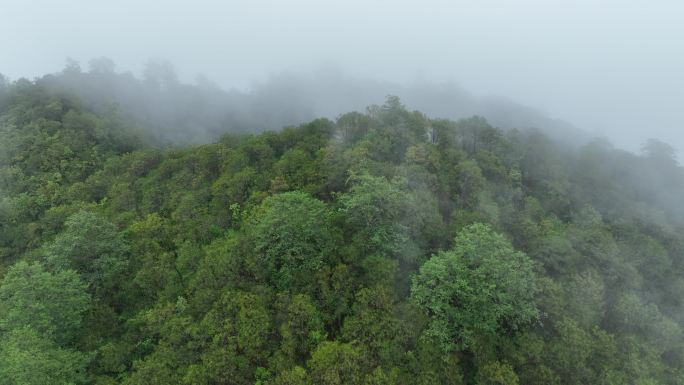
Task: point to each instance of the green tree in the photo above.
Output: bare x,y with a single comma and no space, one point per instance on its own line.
335,363
157,273
299,170
496,373
373,323
585,298
470,183
295,376
92,246
303,329
26,358
291,238
382,377
377,210
52,304
475,289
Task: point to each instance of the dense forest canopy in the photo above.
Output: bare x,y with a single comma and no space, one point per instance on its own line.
382,247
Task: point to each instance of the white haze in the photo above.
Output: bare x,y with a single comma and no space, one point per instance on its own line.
612,68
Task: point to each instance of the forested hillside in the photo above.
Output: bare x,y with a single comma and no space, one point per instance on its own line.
383,247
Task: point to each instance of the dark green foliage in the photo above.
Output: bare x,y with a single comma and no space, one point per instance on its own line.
302,329
383,248
290,249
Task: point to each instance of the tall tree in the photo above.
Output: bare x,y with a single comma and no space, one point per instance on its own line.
92,246
26,358
52,304
479,287
291,239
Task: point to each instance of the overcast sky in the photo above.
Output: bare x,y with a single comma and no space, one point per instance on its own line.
611,67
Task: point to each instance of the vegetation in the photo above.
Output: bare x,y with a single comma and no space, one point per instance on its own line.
382,248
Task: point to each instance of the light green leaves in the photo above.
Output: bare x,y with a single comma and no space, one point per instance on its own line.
49,303
479,287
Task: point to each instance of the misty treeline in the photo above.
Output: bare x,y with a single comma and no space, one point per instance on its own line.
383,247
177,113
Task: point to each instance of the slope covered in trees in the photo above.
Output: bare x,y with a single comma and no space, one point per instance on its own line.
380,248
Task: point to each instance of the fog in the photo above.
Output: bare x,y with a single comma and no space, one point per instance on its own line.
611,68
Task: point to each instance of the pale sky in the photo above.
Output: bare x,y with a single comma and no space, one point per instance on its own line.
610,67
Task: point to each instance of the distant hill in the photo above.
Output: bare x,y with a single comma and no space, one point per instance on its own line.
199,113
